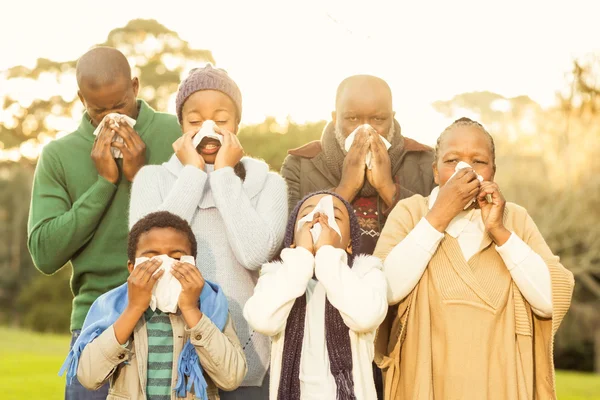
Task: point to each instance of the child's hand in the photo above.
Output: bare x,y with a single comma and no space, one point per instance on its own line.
192,284
231,151
185,151
141,282
304,237
328,235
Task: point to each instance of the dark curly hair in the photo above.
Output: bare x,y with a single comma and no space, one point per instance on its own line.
159,219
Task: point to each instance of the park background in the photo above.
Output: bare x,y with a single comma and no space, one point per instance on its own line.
529,71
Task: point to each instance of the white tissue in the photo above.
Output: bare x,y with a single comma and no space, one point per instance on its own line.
350,140
324,206
463,165
165,293
207,130
116,153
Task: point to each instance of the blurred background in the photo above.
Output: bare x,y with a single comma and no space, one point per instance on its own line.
529,71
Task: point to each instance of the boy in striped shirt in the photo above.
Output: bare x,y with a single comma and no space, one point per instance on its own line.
142,353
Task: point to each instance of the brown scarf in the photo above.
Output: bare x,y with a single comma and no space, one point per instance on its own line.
334,155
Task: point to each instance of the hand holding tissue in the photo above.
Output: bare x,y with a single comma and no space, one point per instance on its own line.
165,293
207,131
324,206
463,165
352,136
114,117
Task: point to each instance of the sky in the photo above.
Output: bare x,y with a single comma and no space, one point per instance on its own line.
288,57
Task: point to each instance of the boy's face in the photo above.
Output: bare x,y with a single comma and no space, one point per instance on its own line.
117,97
209,105
339,210
158,241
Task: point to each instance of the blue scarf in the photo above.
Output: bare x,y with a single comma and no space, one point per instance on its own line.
108,307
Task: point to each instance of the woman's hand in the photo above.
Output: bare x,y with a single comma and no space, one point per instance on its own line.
493,213
231,151
186,152
453,197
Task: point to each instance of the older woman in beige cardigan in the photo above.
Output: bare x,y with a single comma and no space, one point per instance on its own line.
477,294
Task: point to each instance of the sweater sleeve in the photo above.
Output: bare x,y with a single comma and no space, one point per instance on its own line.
358,293
182,199
57,227
254,232
279,285
291,173
530,273
407,261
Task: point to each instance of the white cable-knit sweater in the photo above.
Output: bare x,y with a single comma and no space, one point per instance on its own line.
238,226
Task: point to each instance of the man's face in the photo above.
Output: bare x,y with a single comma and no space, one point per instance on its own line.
364,102
116,97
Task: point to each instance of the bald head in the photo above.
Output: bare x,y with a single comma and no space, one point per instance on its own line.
356,84
102,66
363,99
105,84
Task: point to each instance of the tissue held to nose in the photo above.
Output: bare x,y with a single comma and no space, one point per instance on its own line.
324,206
207,131
352,136
463,165
165,293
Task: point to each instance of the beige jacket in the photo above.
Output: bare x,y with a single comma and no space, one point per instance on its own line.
220,354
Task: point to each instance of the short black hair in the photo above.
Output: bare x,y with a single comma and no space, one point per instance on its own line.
159,219
464,121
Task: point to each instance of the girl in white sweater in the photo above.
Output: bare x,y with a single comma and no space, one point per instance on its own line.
321,305
236,207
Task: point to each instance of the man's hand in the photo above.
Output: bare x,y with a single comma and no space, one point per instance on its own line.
134,148
353,171
103,160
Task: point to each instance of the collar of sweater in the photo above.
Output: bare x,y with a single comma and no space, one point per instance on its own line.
143,121
257,173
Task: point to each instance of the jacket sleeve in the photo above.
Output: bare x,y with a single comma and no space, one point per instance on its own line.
182,200
254,232
220,353
291,173
358,293
57,227
100,358
279,285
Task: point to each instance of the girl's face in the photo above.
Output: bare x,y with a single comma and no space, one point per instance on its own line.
468,144
339,210
209,105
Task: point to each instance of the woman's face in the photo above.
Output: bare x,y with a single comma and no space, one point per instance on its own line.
468,144
209,105
339,209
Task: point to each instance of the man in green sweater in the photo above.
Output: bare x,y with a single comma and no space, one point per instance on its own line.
81,192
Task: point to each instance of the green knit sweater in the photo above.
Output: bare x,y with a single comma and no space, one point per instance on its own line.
80,217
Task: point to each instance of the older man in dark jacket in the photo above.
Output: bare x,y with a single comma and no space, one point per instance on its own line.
396,173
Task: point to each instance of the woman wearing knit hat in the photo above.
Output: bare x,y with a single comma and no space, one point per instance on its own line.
236,207
478,294
321,305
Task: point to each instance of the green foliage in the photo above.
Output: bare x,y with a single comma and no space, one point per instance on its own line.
270,142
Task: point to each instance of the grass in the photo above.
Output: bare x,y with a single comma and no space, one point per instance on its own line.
29,364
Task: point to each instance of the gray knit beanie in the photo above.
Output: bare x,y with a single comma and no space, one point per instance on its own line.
208,78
